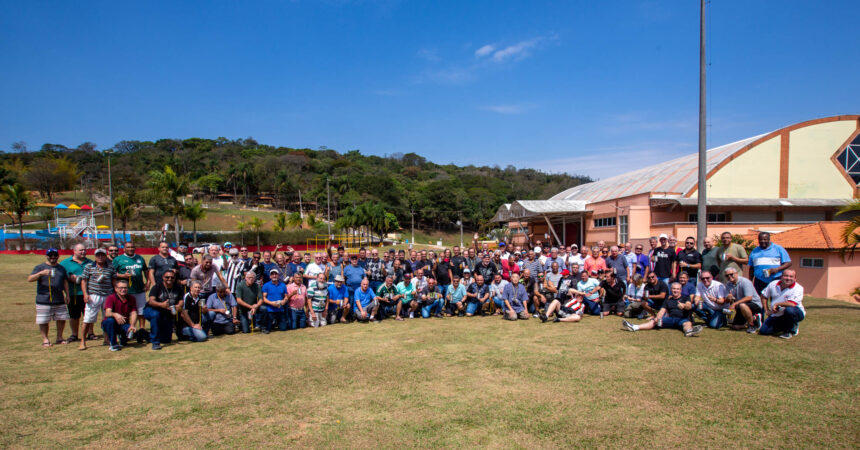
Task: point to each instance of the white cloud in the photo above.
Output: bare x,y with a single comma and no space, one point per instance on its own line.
506,109
600,163
429,54
485,50
517,51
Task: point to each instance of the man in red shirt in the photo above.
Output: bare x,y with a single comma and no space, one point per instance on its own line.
595,262
120,315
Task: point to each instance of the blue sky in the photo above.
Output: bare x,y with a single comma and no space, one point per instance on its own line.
576,86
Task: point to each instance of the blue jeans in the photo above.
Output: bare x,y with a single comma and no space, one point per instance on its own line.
245,323
193,334
713,318
673,322
279,317
473,306
160,325
431,308
110,328
297,318
499,302
592,306
387,309
666,280
334,314
787,322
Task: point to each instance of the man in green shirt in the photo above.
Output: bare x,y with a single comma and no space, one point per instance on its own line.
731,254
74,266
406,291
388,298
710,263
132,267
249,298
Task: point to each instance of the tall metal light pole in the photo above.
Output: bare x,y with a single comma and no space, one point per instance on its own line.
110,194
702,209
328,206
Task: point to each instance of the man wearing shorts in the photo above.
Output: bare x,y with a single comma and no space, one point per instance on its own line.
119,317
52,295
675,313
318,293
132,267
74,266
97,284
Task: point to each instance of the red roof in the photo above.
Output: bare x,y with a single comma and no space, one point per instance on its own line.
818,236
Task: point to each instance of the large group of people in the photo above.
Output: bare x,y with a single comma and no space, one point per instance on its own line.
227,289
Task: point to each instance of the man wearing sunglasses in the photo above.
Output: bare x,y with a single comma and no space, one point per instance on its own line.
162,305
710,301
744,300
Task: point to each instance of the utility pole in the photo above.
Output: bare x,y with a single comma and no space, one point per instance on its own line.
328,206
702,209
110,194
301,214
412,213
460,221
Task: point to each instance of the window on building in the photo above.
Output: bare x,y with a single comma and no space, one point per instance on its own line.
712,217
604,222
849,159
623,234
812,263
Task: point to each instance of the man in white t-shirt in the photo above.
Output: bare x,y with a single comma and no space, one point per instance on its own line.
497,288
710,301
786,306
315,268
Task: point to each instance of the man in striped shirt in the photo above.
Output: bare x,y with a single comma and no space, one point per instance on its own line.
96,284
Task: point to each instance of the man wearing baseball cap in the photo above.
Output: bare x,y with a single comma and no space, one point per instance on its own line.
97,284
274,293
52,295
338,300
664,260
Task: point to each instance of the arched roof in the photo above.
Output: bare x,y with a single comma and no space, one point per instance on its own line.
675,177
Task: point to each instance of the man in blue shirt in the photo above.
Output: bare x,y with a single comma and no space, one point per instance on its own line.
365,302
274,293
353,274
767,261
515,299
338,297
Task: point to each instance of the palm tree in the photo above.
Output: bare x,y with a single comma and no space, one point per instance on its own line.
194,212
280,222
311,219
241,225
167,188
256,224
16,203
851,230
294,219
123,209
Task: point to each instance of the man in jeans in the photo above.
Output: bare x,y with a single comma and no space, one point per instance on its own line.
191,324
274,293
516,299
786,306
119,317
338,301
710,301
674,313
221,308
161,307
297,300
249,299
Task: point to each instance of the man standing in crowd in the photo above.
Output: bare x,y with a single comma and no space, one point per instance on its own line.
617,263
642,265
96,284
297,301
664,260
595,262
374,269
554,258
744,300
487,269
130,266
74,266
710,301
119,316
532,264
52,296
249,299
786,306
353,274
767,261
234,270
709,256
690,260
161,308
318,295
731,254
674,313
161,263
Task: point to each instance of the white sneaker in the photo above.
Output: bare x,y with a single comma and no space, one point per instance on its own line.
411,315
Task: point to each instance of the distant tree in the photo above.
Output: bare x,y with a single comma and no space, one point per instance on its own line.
49,175
241,225
851,230
19,147
311,219
256,224
294,219
16,203
208,183
194,212
280,222
166,189
123,210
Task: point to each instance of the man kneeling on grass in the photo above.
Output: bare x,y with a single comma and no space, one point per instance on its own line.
675,313
119,316
221,308
515,299
431,300
365,302
786,306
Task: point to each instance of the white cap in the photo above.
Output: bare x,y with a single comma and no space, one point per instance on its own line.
663,236
537,249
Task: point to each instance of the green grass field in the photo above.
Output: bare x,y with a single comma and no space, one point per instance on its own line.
451,382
